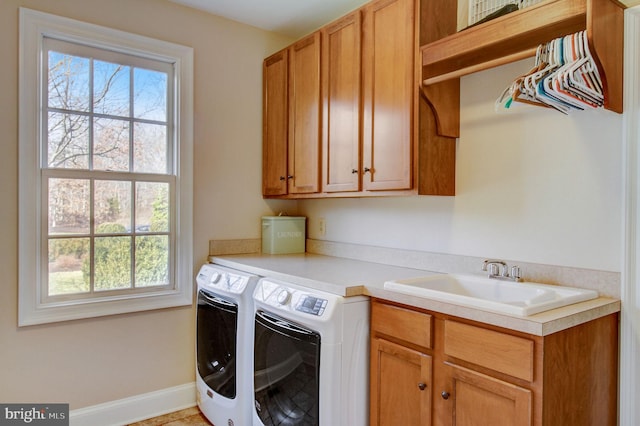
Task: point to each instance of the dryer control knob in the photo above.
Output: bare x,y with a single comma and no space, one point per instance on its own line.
215,277
283,296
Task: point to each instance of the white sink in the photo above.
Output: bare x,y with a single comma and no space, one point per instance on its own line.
515,298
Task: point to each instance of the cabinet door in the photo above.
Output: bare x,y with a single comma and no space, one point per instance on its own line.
389,94
274,137
304,116
341,100
481,400
400,385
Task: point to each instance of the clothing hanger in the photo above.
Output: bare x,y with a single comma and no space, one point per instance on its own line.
584,78
520,91
565,77
557,60
552,85
516,91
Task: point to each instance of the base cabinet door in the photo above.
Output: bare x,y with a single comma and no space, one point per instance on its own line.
400,385
480,400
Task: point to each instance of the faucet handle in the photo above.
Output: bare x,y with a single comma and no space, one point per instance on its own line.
490,264
491,268
515,273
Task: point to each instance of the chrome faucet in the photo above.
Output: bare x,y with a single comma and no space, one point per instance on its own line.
500,270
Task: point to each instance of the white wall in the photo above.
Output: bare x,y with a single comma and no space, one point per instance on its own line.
532,185
94,361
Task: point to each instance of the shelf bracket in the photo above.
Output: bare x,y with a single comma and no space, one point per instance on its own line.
444,100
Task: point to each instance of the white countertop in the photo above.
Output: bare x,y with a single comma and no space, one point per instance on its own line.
346,277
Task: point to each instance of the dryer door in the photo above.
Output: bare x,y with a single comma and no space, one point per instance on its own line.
217,324
287,369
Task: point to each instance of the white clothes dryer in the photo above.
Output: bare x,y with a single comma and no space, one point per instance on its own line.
311,351
224,345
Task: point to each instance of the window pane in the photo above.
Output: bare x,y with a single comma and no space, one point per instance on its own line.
150,148
112,206
150,94
111,145
69,206
152,207
112,263
68,266
68,82
111,89
152,260
68,141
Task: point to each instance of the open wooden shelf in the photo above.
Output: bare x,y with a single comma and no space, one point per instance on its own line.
517,35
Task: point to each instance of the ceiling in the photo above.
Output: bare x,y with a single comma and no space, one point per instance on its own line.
293,18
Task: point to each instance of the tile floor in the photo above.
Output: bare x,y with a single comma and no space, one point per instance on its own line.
190,416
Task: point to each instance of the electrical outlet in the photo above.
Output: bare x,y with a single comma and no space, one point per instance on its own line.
322,226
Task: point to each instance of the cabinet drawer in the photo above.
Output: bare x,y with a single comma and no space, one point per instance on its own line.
501,352
404,324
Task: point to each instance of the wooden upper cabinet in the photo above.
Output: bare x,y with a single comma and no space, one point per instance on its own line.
343,108
304,116
275,122
341,71
389,94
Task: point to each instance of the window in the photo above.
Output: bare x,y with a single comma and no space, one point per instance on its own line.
105,171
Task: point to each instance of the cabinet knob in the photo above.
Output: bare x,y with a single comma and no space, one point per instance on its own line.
290,177
422,386
367,169
282,178
354,171
445,395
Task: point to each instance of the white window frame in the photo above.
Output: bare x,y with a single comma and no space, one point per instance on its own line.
33,308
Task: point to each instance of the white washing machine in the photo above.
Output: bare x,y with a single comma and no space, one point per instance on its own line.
311,357
224,345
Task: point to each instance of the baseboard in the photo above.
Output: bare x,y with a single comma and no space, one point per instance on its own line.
136,408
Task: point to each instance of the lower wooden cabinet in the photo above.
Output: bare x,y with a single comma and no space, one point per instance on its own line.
401,384
429,368
484,400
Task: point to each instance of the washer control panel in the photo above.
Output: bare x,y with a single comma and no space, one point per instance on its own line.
287,297
217,278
